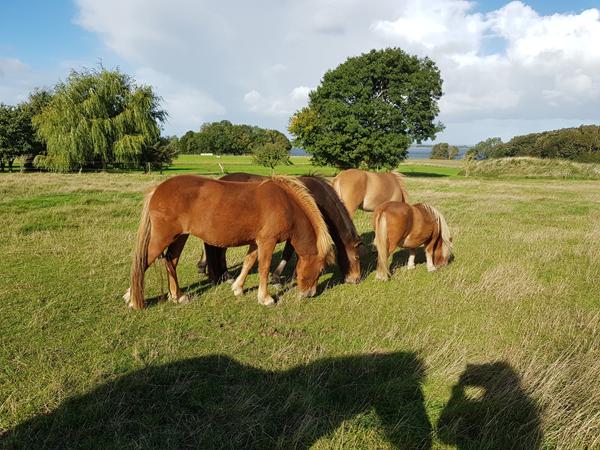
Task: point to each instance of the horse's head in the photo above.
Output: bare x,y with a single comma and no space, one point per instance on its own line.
353,251
308,270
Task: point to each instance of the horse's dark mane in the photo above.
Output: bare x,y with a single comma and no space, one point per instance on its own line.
340,214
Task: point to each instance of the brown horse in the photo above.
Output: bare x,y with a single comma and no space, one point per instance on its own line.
410,226
339,224
367,190
228,214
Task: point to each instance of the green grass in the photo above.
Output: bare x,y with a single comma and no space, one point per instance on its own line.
209,166
500,349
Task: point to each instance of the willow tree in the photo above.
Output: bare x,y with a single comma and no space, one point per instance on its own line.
98,118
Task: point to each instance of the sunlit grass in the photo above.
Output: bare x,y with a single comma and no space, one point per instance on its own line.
513,322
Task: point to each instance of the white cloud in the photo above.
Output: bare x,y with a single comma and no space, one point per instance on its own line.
254,60
18,79
188,106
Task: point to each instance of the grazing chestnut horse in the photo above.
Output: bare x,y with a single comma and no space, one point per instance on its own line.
399,224
228,214
339,224
367,190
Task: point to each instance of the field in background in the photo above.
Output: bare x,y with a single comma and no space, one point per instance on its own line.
215,166
500,349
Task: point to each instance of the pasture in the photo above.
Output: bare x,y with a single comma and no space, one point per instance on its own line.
501,349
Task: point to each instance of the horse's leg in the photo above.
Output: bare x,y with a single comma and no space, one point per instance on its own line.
202,263
172,258
238,285
286,255
265,254
216,263
411,259
429,255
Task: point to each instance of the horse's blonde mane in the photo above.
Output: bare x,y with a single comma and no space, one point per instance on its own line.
401,182
444,230
306,202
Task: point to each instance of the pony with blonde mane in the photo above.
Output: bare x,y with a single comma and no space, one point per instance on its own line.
230,214
367,190
399,224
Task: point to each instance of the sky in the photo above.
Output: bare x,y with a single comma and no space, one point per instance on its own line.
508,68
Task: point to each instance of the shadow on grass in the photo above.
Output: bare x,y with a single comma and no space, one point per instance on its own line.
423,174
490,410
217,402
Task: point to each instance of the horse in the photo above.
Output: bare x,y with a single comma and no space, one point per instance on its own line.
367,190
399,224
341,228
228,214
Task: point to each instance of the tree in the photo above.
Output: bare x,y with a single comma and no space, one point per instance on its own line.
485,149
369,109
98,118
160,155
271,154
17,135
226,138
439,151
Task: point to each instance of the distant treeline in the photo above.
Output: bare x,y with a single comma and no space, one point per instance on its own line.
226,138
578,144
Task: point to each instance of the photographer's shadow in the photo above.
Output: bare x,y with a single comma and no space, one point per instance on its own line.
490,410
217,402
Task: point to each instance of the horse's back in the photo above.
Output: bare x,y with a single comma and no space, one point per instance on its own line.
222,213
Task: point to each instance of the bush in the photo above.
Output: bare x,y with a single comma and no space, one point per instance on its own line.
272,154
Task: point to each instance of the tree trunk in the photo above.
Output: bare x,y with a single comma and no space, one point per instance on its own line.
1,165
10,164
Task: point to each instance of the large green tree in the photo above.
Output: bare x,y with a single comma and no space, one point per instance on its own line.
369,109
98,118
18,138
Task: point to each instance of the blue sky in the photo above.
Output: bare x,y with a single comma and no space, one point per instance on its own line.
507,68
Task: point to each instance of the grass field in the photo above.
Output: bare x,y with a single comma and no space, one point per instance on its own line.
501,349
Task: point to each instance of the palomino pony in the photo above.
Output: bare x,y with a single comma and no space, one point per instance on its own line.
410,226
228,214
340,226
367,190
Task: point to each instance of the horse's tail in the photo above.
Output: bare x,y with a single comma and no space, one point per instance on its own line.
401,185
381,244
444,238
140,256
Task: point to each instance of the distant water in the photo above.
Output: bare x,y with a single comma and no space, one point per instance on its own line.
413,152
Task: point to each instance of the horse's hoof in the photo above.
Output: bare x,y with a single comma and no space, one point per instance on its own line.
431,269
237,291
269,301
382,277
277,285
127,296
411,267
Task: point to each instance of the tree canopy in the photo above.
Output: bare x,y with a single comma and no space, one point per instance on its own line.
17,134
98,118
580,144
226,138
368,110
444,151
